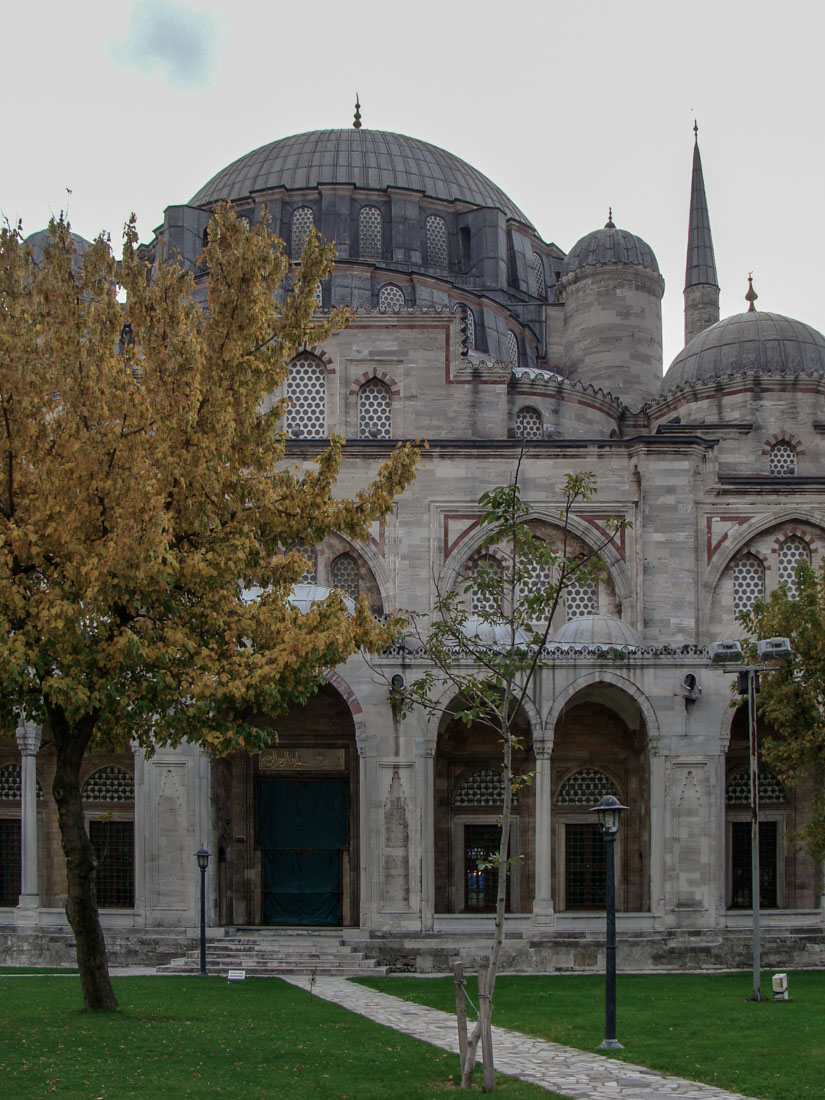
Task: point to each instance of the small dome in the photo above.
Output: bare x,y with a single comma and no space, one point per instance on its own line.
608,247
303,596
758,342
496,634
597,631
38,241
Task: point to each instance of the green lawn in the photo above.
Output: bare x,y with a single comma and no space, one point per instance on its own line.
200,1037
695,1026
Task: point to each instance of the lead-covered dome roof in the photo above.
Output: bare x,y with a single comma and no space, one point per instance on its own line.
371,160
610,246
758,342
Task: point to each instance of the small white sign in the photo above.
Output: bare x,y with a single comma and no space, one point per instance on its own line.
236,976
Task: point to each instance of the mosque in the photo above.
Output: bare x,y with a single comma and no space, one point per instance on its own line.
473,333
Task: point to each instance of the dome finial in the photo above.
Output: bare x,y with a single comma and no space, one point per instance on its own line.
695,131
609,223
356,124
751,296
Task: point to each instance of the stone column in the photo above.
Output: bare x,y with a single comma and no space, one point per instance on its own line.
543,901
29,736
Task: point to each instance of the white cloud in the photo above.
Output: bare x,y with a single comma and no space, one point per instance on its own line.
174,39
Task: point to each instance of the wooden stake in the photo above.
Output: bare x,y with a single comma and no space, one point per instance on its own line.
486,1030
460,1012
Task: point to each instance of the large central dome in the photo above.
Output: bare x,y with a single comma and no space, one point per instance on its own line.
372,160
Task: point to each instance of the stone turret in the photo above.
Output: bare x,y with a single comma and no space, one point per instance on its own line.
612,294
701,287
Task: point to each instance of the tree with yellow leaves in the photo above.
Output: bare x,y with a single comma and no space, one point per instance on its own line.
144,492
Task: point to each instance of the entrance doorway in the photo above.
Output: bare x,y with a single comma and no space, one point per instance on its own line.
302,831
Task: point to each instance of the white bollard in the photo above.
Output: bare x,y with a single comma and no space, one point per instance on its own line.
780,987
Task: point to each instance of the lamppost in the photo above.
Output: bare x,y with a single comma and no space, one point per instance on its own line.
747,683
203,862
609,811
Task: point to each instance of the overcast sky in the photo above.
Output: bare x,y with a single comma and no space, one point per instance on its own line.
570,108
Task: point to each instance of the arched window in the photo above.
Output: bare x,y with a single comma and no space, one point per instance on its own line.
370,245
581,598
791,552
783,459
512,349
111,790
538,267
391,297
485,568
310,574
738,787
748,583
529,424
585,787
470,322
375,410
344,575
436,242
771,838
303,222
482,788
306,390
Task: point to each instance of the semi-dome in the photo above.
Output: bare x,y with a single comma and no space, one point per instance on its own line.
370,160
610,246
759,342
589,632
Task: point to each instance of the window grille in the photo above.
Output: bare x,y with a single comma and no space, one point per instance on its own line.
114,845
436,242
512,349
303,222
791,552
748,583
585,871
741,897
310,574
581,598
370,233
344,575
11,783
9,862
783,459
483,788
318,295
306,390
529,424
538,576
391,297
586,787
481,883
109,785
471,329
738,788
538,267
375,410
483,600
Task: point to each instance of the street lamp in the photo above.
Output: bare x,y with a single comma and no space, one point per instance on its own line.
747,683
609,811
203,862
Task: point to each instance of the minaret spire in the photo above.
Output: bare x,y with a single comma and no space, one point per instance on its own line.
701,286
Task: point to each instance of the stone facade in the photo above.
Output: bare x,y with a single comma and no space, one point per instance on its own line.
473,333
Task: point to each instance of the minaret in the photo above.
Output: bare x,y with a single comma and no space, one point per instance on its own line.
701,287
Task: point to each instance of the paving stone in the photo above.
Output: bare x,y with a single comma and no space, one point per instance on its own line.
572,1073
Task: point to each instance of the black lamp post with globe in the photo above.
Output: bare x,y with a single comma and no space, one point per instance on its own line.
609,812
203,862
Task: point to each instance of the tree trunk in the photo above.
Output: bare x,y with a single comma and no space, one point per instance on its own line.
81,904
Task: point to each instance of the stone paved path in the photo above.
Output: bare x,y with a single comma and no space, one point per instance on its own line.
573,1073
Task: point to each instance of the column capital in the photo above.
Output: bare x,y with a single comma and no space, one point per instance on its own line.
29,736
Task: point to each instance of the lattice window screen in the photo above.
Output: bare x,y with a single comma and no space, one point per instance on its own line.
471,330
791,552
344,575
375,410
529,424
310,574
738,787
748,583
369,233
306,389
783,459
512,349
585,787
485,601
582,598
302,223
391,297
483,788
436,241
109,785
10,783
538,267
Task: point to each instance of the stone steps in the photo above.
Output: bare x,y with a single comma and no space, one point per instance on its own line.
267,953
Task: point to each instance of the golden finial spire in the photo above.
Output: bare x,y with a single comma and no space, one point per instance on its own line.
356,125
609,223
751,296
